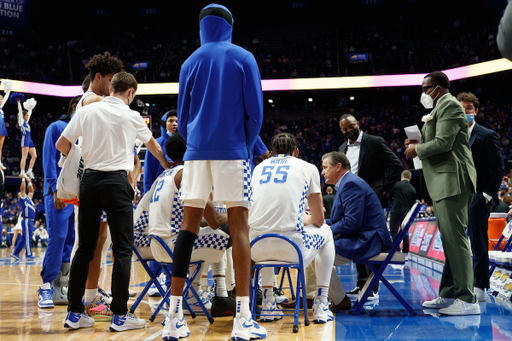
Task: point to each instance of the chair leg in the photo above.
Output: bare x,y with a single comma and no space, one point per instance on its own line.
398,296
290,283
360,303
304,297
254,292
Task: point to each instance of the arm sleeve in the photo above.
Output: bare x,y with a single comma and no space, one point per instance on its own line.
259,147
183,103
6,98
20,116
447,129
391,162
74,128
352,198
392,193
50,160
29,115
253,99
495,163
504,38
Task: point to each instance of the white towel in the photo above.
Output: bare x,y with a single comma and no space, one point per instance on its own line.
68,183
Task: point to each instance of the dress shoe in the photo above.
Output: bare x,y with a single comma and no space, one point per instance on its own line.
291,305
345,304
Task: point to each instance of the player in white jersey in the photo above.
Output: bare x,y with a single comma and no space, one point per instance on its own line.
281,186
102,68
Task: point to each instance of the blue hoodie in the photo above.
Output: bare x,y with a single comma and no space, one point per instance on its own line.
152,167
220,100
51,155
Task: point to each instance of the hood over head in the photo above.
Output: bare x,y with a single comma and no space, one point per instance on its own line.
216,24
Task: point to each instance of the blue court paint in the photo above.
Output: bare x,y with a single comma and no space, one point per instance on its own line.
387,319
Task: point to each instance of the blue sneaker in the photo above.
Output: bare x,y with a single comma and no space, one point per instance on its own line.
30,257
245,330
16,257
45,300
128,322
80,320
175,329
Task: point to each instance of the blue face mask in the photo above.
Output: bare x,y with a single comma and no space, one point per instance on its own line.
169,133
470,117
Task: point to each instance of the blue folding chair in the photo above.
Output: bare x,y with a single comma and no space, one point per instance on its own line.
301,282
383,259
507,233
153,279
286,273
167,268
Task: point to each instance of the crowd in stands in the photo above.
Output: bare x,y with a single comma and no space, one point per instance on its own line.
282,50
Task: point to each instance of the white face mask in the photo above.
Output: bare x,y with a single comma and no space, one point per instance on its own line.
426,100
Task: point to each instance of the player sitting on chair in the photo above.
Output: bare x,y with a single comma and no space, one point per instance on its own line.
165,218
281,186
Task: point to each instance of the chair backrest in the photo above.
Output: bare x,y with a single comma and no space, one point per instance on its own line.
406,224
279,236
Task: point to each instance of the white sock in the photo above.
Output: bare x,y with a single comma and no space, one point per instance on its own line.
29,170
175,307
242,307
268,295
321,294
90,295
47,285
230,272
219,283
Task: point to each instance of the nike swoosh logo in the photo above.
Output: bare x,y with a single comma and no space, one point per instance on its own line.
178,325
245,325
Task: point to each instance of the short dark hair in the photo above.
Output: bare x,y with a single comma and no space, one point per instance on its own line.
344,116
86,83
175,147
74,100
468,97
337,157
123,81
283,143
103,64
439,78
170,113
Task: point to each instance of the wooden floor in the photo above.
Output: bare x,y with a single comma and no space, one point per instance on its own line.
21,319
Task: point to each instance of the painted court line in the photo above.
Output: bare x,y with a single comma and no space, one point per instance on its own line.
155,335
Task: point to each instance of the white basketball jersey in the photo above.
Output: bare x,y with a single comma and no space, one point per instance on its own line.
165,205
280,187
85,95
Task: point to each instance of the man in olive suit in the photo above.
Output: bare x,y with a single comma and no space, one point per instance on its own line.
450,177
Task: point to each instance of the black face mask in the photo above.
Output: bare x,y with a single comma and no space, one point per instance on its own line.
352,134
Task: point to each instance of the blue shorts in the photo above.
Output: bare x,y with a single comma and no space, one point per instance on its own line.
26,141
3,131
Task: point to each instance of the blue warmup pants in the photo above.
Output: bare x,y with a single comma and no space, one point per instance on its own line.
61,237
27,228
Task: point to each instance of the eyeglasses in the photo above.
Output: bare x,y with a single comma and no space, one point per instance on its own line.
425,88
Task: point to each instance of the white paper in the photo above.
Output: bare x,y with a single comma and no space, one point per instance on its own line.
414,133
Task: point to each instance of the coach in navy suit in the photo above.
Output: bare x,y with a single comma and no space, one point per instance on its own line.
357,221
485,147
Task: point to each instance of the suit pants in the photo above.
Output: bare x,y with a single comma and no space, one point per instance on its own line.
395,220
478,223
452,219
109,191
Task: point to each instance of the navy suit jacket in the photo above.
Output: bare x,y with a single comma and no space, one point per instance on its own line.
357,220
485,146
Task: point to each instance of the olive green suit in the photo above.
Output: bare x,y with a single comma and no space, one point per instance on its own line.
450,177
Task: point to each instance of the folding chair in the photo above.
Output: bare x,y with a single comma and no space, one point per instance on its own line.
507,233
286,273
383,259
167,268
153,279
301,282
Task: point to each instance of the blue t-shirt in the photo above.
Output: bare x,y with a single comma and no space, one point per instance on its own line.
27,208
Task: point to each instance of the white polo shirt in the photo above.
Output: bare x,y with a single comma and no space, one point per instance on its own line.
108,129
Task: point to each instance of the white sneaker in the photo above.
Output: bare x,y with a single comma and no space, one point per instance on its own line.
460,307
321,312
175,329
480,294
244,330
439,302
153,292
280,297
30,174
76,321
128,322
272,310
